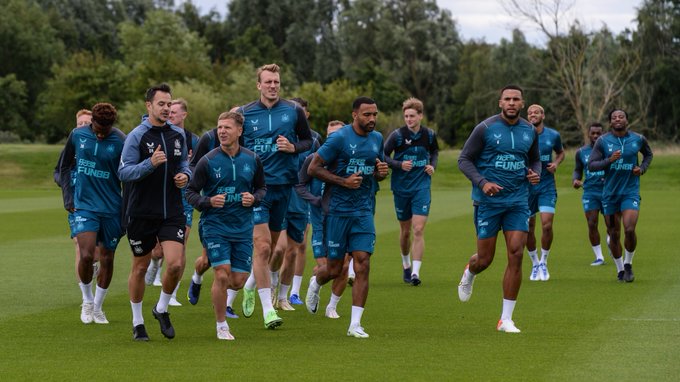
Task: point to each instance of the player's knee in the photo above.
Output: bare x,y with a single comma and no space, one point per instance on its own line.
629,231
174,269
547,227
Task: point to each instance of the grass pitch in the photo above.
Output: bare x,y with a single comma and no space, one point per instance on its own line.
580,325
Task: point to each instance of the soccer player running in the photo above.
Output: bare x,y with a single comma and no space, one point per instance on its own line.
154,162
592,184
617,153
354,154
178,114
543,196
227,182
501,158
93,152
83,118
416,151
276,130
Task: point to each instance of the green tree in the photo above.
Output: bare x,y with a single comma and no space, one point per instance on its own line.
14,103
658,34
163,50
401,48
29,47
329,102
83,80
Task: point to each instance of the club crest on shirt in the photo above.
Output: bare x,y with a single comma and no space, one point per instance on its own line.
246,168
285,118
525,136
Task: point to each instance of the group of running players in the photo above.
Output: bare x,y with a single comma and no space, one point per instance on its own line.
261,177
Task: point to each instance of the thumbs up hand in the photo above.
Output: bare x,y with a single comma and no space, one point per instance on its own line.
158,157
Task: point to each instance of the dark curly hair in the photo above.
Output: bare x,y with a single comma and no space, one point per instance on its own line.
104,114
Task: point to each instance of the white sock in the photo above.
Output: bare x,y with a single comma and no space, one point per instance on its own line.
137,317
619,264
174,292
283,291
153,263
250,283
86,289
469,276
162,304
297,282
597,249
533,255
351,269
274,278
544,256
406,261
313,285
333,303
628,257
231,296
99,296
197,279
266,300
416,267
508,308
357,311
222,324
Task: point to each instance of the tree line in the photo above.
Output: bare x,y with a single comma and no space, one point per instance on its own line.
59,56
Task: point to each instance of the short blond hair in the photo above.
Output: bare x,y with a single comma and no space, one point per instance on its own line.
83,112
180,101
537,106
413,103
236,117
335,123
269,68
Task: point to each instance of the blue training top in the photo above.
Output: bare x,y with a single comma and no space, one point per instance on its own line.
261,128
549,140
594,180
94,162
346,152
218,173
421,148
619,178
501,153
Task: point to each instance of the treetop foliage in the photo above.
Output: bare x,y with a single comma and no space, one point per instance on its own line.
60,56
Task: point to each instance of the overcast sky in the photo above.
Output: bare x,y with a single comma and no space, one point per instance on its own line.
486,19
